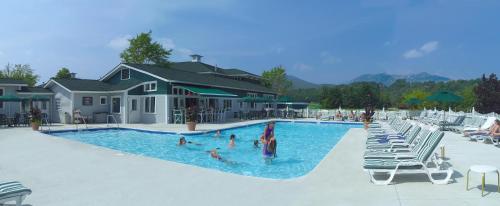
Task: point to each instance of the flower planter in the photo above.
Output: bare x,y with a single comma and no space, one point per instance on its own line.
35,126
191,126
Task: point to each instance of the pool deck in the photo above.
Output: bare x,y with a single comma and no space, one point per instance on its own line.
65,172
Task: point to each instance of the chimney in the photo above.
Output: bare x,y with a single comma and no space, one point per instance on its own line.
73,75
196,58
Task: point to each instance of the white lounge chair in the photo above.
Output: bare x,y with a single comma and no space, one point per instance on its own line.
13,191
487,124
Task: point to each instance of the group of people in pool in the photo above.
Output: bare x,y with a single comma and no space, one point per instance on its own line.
267,140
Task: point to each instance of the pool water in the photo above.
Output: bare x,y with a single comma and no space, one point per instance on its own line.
301,146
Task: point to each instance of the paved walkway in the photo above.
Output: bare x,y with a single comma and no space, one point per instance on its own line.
65,172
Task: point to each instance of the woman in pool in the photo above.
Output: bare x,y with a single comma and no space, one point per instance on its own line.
231,140
268,141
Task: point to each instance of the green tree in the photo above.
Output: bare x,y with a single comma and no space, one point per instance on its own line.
419,94
63,73
143,50
276,80
20,72
488,94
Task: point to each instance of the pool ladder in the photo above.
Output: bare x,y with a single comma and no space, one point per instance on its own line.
82,120
113,118
46,123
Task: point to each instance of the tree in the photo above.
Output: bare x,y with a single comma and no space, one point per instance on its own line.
63,73
276,80
20,72
143,50
488,94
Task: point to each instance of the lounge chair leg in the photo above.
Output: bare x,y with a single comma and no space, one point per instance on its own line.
382,182
482,185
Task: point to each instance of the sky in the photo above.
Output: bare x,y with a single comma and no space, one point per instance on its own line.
318,41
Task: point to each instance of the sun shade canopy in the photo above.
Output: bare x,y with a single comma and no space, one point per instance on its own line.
208,91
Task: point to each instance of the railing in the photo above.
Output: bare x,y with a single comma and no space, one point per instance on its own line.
47,123
84,122
113,118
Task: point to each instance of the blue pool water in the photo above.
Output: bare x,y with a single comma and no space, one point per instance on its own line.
301,146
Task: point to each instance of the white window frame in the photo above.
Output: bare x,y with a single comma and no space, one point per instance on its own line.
149,87
58,104
105,100
121,75
91,103
250,94
149,112
120,106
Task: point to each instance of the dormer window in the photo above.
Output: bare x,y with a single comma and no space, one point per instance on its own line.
125,74
150,87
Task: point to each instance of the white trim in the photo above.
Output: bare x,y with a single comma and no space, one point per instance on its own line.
167,112
10,85
101,97
111,104
149,96
125,108
59,84
30,93
150,83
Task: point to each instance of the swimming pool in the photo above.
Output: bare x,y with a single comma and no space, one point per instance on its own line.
301,146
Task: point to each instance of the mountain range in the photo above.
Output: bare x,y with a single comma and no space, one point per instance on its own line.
383,78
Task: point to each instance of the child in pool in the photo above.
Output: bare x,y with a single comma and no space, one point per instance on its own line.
231,140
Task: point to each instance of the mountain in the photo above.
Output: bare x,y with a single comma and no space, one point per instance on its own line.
388,79
298,83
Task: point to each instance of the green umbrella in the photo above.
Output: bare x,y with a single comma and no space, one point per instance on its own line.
284,99
444,97
10,98
413,101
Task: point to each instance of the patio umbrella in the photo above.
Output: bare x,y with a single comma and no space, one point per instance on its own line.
446,97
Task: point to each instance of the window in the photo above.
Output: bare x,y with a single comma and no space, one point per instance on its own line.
87,101
176,103
134,105
228,104
103,100
1,102
174,91
125,74
44,105
150,87
116,105
149,105
252,105
252,94
58,104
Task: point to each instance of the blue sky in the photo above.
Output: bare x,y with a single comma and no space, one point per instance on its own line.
319,41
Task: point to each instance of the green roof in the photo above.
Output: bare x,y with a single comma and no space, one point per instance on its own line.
11,81
186,72
95,85
208,91
34,90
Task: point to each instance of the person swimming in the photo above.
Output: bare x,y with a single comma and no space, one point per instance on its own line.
232,138
217,134
182,141
268,141
256,144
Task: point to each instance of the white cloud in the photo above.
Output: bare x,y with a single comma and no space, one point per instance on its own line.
302,67
167,43
328,58
429,46
423,50
119,43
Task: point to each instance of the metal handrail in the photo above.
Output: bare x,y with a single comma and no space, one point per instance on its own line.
114,119
84,122
46,122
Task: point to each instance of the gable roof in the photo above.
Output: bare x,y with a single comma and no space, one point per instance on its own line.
12,81
37,90
95,85
179,72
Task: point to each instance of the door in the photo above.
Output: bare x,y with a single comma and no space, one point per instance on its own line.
133,110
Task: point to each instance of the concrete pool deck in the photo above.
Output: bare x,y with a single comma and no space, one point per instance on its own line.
65,172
